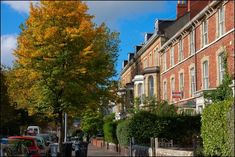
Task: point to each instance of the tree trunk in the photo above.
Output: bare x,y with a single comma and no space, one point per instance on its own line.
61,130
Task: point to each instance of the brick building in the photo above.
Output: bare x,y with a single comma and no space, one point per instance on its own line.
192,60
183,57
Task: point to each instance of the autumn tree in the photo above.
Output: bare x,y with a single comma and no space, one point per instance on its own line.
63,60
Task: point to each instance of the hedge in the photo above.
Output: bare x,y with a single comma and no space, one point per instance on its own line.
217,121
110,132
123,133
144,125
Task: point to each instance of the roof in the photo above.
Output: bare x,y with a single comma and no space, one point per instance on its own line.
166,28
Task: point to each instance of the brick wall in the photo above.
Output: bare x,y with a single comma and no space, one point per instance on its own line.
210,52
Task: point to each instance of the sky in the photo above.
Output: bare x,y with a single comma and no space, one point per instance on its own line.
131,18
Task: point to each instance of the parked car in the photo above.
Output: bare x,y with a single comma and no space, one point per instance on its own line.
47,138
5,150
31,143
45,149
54,137
4,140
14,147
35,129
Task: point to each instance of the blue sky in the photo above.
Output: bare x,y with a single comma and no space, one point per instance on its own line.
131,18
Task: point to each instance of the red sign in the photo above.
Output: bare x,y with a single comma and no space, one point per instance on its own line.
176,94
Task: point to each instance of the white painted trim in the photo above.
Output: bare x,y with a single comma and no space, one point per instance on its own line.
198,51
189,98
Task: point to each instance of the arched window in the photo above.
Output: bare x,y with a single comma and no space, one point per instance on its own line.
221,67
205,75
140,89
150,86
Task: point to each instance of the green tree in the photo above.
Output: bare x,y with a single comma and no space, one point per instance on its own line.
63,60
160,108
91,121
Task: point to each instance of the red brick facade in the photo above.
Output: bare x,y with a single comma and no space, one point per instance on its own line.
216,45
208,34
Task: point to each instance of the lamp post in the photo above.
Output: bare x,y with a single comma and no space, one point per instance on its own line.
65,127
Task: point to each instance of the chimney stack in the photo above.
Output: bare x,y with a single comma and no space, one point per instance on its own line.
182,8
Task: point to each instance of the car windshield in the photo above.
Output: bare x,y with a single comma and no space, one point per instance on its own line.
39,142
45,137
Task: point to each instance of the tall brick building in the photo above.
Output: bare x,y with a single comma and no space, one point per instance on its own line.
192,60
184,57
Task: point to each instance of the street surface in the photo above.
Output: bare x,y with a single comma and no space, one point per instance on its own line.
94,151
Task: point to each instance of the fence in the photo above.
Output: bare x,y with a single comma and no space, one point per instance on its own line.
158,147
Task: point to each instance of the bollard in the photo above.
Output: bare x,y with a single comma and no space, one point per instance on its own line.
81,149
132,141
152,145
67,149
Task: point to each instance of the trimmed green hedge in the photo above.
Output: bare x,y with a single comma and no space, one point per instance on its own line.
110,132
123,133
216,129
145,125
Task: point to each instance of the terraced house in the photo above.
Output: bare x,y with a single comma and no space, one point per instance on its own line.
183,57
192,60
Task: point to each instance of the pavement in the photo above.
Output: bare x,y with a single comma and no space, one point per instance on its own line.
94,151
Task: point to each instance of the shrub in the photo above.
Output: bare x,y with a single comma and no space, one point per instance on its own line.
123,133
110,132
163,109
216,129
145,125
109,118
185,127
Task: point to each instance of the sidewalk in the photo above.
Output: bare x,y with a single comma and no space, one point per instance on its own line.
94,151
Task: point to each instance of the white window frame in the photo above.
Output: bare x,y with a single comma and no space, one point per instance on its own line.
172,86
192,81
164,61
172,56
156,56
181,82
221,68
205,72
180,49
150,86
205,32
150,59
165,90
221,21
145,63
192,42
140,89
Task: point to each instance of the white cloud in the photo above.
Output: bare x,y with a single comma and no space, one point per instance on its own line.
8,44
20,6
109,12
112,11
